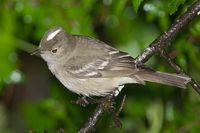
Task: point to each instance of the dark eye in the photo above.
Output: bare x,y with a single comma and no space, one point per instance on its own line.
54,50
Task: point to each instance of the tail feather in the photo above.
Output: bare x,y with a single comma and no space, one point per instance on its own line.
164,78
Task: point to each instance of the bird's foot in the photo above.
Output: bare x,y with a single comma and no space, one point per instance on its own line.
84,101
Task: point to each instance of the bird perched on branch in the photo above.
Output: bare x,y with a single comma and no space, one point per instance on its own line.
90,67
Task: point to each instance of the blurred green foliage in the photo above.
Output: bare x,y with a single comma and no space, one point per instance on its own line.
129,25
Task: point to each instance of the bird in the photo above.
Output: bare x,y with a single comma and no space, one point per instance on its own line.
90,67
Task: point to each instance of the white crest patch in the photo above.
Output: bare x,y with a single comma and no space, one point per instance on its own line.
53,34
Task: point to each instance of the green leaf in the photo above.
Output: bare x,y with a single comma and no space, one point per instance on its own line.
173,5
136,4
119,6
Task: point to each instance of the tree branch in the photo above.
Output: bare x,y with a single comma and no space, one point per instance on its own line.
157,45
105,105
167,36
89,125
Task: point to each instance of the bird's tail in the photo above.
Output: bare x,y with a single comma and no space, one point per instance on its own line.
177,80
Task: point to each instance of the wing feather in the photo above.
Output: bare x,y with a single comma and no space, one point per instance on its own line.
95,59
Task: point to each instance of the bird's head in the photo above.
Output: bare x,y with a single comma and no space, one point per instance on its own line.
54,45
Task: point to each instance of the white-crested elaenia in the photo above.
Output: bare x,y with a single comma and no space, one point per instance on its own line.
90,67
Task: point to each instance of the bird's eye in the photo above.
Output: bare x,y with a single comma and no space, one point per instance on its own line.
54,50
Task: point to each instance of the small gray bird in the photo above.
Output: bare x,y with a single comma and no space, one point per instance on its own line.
89,67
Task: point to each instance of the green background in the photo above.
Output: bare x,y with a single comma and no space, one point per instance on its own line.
31,98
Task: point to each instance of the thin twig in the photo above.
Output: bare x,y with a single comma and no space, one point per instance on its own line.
121,106
170,62
162,41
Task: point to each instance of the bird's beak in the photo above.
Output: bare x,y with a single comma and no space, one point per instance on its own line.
36,52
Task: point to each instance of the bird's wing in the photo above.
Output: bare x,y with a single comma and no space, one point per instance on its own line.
95,59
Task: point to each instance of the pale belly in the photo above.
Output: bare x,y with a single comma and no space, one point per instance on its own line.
91,86
94,86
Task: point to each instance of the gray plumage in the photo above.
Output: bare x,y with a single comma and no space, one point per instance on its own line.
90,67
